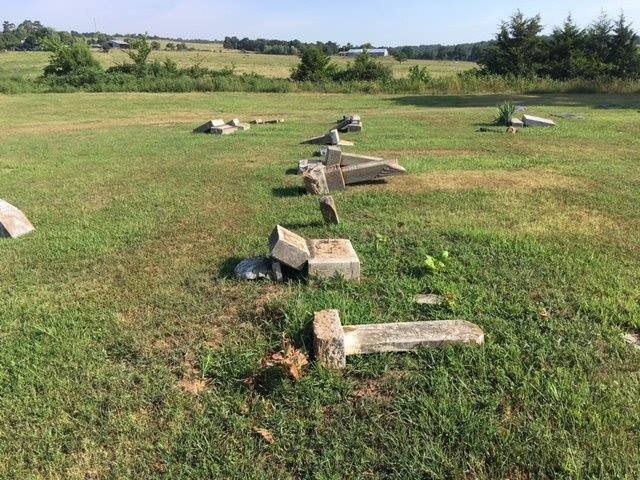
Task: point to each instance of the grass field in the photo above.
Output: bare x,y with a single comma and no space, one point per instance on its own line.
31,64
125,347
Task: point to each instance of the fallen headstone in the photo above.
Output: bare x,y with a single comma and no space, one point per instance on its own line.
516,122
328,210
13,223
332,156
304,165
315,180
255,268
288,248
334,178
332,342
259,121
333,258
367,172
239,125
331,138
347,159
206,127
429,299
350,124
531,121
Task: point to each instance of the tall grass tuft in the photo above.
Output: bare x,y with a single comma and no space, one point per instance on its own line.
505,113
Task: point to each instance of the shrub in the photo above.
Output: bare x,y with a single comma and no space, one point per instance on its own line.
418,74
67,59
315,66
505,113
365,68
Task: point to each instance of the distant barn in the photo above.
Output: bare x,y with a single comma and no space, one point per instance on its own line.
374,52
116,44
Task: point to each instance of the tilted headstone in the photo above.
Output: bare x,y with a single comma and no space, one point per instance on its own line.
315,180
333,258
347,159
333,156
13,223
328,210
288,248
331,138
333,342
531,121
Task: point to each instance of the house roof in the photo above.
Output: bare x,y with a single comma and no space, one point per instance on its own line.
369,50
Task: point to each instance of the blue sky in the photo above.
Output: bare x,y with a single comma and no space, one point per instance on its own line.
380,22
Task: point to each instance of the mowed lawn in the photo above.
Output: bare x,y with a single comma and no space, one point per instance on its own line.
31,64
127,350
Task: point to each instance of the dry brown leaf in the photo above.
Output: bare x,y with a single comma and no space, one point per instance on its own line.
290,358
266,435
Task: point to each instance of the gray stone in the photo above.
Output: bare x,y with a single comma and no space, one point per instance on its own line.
329,211
633,339
366,172
333,156
331,138
239,125
256,268
516,122
276,271
334,178
332,344
304,165
429,299
353,159
13,223
333,258
315,180
531,121
206,127
288,248
328,340
521,108
224,130
354,128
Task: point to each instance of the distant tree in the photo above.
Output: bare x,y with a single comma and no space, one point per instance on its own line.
519,49
400,56
623,56
566,51
70,59
155,45
139,53
170,46
598,45
315,65
365,68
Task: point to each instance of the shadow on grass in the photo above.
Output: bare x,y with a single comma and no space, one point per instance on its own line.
291,171
299,225
286,192
226,269
592,100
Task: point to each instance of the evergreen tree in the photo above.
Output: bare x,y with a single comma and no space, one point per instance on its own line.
623,52
566,51
598,46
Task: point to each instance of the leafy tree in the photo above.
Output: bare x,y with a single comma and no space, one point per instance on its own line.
365,68
315,65
598,44
170,46
139,53
567,51
519,49
400,56
155,45
623,52
70,59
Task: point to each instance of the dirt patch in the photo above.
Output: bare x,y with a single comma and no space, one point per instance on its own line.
522,180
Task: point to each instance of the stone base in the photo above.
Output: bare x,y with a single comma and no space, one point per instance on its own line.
333,258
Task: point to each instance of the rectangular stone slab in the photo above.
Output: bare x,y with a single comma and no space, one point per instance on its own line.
331,258
402,337
334,178
224,130
333,156
352,159
531,121
366,172
328,339
288,248
13,223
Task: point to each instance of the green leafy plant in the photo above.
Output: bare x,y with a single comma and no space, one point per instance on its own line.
419,74
505,113
433,264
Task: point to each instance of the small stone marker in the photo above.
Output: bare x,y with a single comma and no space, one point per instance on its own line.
333,343
366,172
429,299
329,211
315,180
333,156
331,258
516,122
288,248
256,268
13,223
331,138
531,121
206,127
350,124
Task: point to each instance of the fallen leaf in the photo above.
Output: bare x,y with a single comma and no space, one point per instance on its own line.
266,435
290,358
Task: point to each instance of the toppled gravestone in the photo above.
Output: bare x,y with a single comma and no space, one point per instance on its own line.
260,121
531,121
337,169
329,210
333,258
333,343
516,123
13,223
349,124
219,127
331,138
288,248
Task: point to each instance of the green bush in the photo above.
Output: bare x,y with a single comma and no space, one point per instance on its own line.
505,113
419,75
315,66
365,68
67,59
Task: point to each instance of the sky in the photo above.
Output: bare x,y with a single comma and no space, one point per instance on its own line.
382,23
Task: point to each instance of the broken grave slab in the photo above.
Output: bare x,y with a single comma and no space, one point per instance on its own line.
206,127
335,179
13,223
516,122
288,248
347,159
333,258
333,156
333,344
531,121
367,172
329,211
315,180
331,138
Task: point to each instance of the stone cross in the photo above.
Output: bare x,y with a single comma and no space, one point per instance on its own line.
332,342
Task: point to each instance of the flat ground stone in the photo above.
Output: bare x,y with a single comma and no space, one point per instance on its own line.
531,121
333,258
255,268
329,211
288,248
13,223
429,299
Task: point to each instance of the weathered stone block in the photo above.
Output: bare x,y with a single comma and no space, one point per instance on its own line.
328,339
353,159
531,121
366,172
288,248
223,130
13,223
516,122
331,258
333,156
206,127
334,178
315,180
329,210
354,128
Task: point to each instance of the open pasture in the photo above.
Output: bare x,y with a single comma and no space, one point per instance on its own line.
128,351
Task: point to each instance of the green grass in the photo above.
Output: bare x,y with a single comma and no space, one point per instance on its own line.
119,298
31,64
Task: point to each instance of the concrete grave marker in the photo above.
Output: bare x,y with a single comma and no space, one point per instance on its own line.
329,211
13,223
206,127
516,122
333,342
331,258
531,121
348,159
334,178
288,248
333,156
331,138
315,180
366,172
